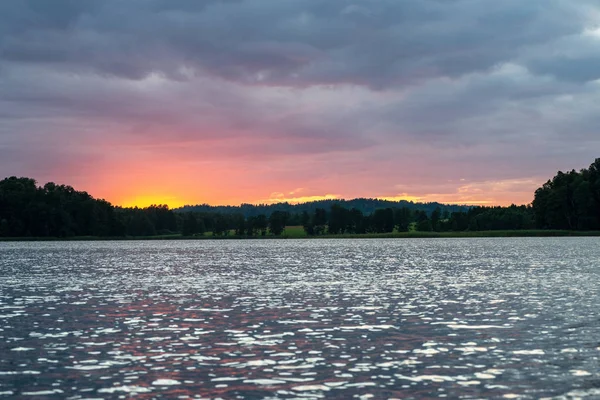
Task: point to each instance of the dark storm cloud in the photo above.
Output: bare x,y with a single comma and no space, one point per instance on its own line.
508,99
299,42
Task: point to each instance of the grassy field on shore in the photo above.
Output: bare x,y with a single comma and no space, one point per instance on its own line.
293,232
297,232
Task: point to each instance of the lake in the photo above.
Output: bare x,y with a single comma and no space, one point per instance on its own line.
512,318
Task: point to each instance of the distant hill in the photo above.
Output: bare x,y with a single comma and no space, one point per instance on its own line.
366,206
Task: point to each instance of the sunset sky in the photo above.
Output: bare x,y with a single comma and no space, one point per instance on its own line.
224,102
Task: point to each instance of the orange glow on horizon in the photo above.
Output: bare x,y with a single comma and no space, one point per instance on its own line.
146,201
282,198
175,202
171,202
177,184
441,199
183,173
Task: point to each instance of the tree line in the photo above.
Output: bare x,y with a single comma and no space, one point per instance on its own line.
52,210
569,201
365,205
343,221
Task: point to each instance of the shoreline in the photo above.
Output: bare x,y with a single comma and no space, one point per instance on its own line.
393,235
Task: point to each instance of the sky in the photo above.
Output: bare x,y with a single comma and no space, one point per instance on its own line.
257,101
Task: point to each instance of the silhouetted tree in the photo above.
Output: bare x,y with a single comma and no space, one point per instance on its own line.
262,224
356,222
570,200
190,224
162,218
139,224
338,219
319,221
240,225
307,223
383,220
435,219
220,227
277,222
4,228
402,219
423,222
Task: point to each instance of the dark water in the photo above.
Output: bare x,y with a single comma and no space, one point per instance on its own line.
463,318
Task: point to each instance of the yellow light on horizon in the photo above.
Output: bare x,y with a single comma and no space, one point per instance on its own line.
280,198
146,201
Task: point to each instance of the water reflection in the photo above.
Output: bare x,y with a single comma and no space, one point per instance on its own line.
500,318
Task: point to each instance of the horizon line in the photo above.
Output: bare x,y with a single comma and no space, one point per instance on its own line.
276,200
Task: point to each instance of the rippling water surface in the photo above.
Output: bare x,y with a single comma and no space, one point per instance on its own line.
412,318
